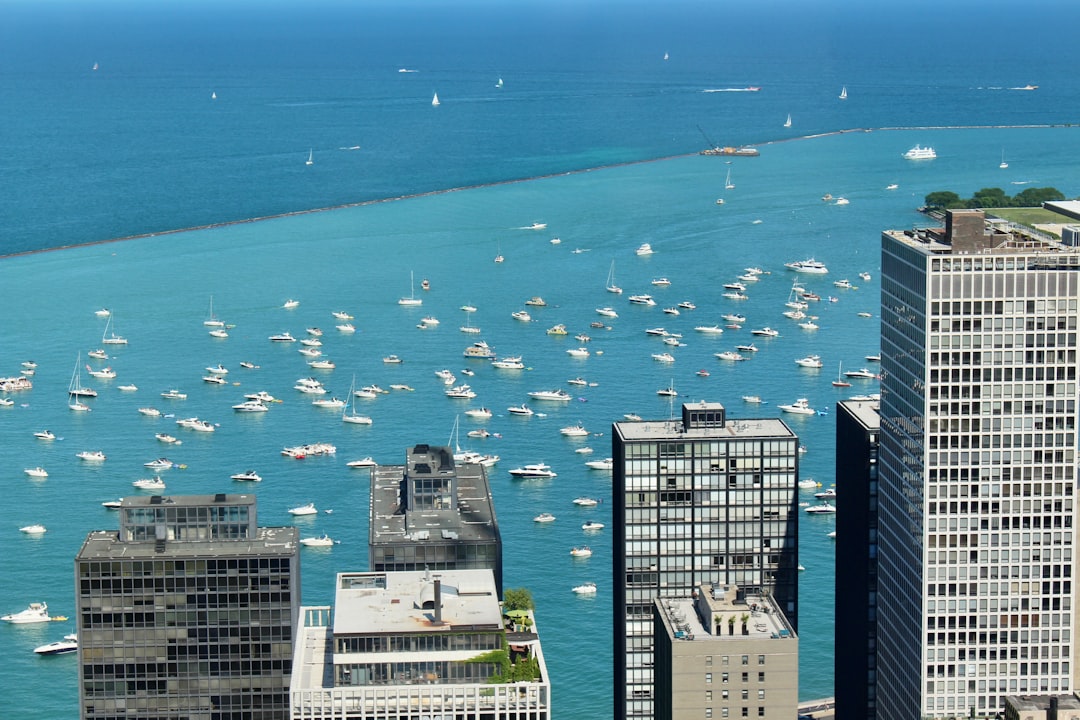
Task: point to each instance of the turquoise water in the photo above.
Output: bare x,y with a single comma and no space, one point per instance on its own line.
360,260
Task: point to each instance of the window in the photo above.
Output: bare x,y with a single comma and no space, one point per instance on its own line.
708,677
760,659
760,711
745,694
761,694
746,712
745,659
723,677
723,694
708,712
761,677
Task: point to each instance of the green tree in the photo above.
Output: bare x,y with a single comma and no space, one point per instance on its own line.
942,199
991,198
517,599
1035,197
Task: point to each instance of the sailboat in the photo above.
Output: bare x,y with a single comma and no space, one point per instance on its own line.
611,286
95,66
1003,164
498,254
348,415
435,100
310,158
787,123
412,299
108,338
728,185
840,381
499,84
665,56
213,95
212,319
76,389
843,93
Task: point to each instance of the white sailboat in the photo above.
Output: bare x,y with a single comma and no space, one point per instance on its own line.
498,254
348,415
728,185
843,93
787,123
212,319
412,299
310,158
108,338
213,95
1003,164
499,84
435,100
611,286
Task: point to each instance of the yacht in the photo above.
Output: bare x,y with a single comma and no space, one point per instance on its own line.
261,396
736,295
318,541
844,284
810,361
765,332
588,588
642,300
544,517
521,315
480,350
661,282
174,395
35,613
535,470
166,438
69,644
103,374
582,551
574,431
607,312
91,456
536,301
578,352
44,435
559,329
668,391
734,286
709,329
734,318
826,494
809,484
687,305
752,399
346,328
154,483
730,355
290,304
331,403
322,364
150,411
671,311
214,380
810,265
283,338
799,407
861,373
98,354
509,363
461,392
823,509
644,249
36,472
920,153
663,357
483,413
367,462
605,464
160,464
557,394
520,410
308,509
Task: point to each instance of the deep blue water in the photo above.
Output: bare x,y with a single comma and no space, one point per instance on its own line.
138,146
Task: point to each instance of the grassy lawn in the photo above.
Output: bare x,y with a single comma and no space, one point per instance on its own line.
1030,216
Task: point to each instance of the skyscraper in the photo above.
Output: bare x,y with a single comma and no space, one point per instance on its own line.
702,499
188,611
976,468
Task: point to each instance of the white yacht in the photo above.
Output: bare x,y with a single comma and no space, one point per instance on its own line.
644,249
318,541
154,483
35,613
920,153
522,409
642,300
810,265
579,352
91,456
367,462
283,337
150,411
607,312
823,509
558,395
544,517
36,472
69,644
482,413
765,332
799,407
605,464
508,363
574,431
588,588
810,361
44,435
247,476
730,355
174,395
308,509
539,470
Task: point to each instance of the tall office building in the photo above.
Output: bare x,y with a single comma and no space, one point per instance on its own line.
855,657
699,500
977,465
433,514
187,612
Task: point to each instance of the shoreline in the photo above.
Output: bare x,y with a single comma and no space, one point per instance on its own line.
460,188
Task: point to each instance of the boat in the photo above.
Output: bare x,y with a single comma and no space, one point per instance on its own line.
310,158
734,318
873,358
104,374
827,494
752,399
559,329
840,381
1003,164
481,413
861,373
160,464
75,387
317,541
644,249
460,392
577,381
671,311
36,472
810,265
412,300
544,517
606,464
69,644
610,285
212,320
392,360
842,201
521,315
174,394
592,525
322,364
642,299
534,470
108,338
728,185
480,433
367,462
668,391
154,483
91,456
349,414
787,123
499,83
308,509
557,395
508,363
822,509
535,226
536,301
127,388
730,355
479,350
435,100
214,380
112,504
663,357
103,312
810,361
582,551
248,365
809,325
331,403
588,588
98,354
844,284
34,613
574,431
799,407
843,93
892,186
709,329
607,312
578,352
808,484
150,411
920,153
661,282
765,332
729,150
167,439
582,337
284,337
44,435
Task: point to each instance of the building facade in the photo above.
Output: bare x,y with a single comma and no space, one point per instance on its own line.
405,645
702,499
976,545
854,669
722,654
433,514
187,612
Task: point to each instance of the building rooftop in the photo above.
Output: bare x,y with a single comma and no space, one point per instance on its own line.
968,232
687,426
404,602
267,541
683,616
866,412
470,517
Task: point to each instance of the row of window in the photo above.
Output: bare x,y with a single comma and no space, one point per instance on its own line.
178,568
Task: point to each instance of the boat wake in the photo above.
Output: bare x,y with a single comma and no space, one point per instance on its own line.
741,89
351,147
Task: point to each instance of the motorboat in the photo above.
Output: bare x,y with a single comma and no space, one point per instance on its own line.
577,381
702,373
578,352
730,356
632,417
103,374
808,484
98,354
36,472
35,613
544,517
342,315
536,301
657,332
661,282
823,509
534,470
827,494
592,525
346,328
663,357
644,249
558,395
751,347
605,464
317,541
322,364
873,358
261,396
214,380
167,439
583,551
810,361
481,413
844,284
480,433
218,333
559,329
586,501
588,588
735,286
752,399
799,407
154,483
403,386
920,153
112,504
709,329
765,332
522,409
508,363
290,304
91,456
607,312
736,318
671,311
331,403
668,391
861,373
308,509
248,365
103,312
284,337
35,529
218,369
574,431
810,265
127,388
367,462
809,325
160,464
841,201
642,299
312,341
201,426
69,644
312,352
460,392
174,395
44,435
736,295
